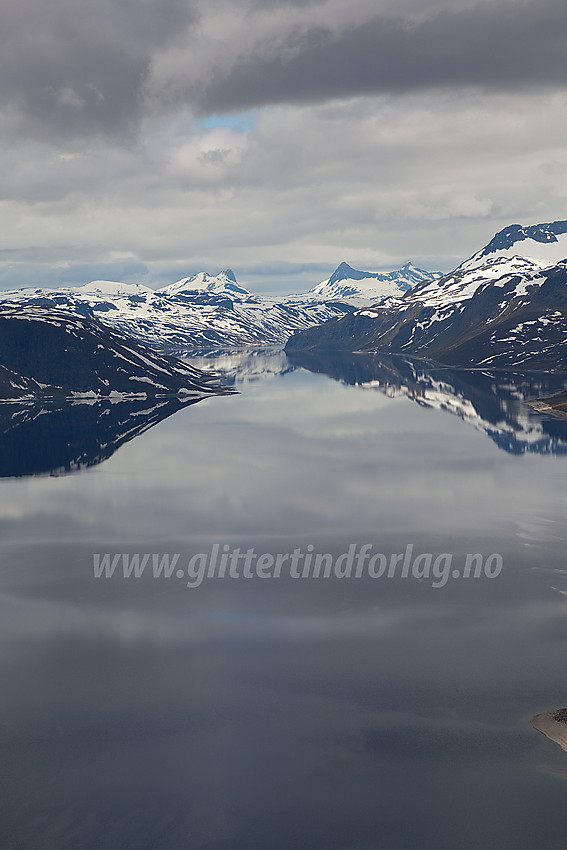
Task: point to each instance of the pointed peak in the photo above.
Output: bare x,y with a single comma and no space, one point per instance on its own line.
343,271
344,267
230,275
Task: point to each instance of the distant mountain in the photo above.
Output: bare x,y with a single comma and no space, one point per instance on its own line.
202,312
364,288
494,310
493,403
52,353
224,283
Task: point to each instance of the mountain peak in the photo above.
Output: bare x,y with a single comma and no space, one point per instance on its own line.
224,283
514,233
344,267
343,271
544,243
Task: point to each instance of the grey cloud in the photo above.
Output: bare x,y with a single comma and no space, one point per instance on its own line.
269,4
69,68
497,46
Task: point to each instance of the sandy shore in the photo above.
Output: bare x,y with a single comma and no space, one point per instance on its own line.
553,724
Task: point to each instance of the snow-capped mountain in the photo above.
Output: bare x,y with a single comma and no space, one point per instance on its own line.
494,403
460,285
54,353
224,283
545,244
493,310
202,312
364,288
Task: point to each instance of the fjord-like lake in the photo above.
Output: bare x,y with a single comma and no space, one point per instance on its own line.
381,705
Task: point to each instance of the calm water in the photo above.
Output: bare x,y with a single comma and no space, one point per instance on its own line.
286,714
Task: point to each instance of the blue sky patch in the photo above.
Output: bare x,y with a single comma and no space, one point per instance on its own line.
242,121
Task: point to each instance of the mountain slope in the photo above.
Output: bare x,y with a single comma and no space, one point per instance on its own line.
61,354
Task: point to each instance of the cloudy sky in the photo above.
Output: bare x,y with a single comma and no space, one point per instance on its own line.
144,140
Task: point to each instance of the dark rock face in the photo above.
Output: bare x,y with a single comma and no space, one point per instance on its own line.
58,353
343,271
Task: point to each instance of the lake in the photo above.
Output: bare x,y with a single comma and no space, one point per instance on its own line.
348,601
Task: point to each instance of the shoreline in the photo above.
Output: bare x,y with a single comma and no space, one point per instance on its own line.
555,405
548,725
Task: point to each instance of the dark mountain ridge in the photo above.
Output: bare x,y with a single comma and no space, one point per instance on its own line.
50,353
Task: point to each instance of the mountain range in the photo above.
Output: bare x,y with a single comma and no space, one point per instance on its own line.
498,309
502,308
205,312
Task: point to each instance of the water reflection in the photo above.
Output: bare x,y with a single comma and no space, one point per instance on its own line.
494,403
245,365
55,439
41,439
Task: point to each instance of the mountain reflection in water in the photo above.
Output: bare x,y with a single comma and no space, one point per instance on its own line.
40,438
495,403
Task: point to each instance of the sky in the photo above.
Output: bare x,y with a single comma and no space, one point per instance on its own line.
146,140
